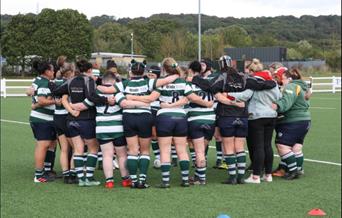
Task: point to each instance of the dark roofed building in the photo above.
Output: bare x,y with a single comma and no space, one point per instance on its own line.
265,54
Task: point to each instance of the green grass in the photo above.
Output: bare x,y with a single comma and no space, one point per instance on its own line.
320,187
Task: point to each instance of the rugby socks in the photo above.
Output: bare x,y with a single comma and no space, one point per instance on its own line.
165,169
85,154
48,160
79,165
72,172
201,173
53,159
39,173
144,162
300,161
99,157
241,164
193,155
173,153
218,152
231,161
66,173
184,167
290,160
90,165
132,167
155,148
109,179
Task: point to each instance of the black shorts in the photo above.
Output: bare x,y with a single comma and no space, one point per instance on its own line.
198,130
154,116
44,131
117,142
137,125
171,126
61,125
233,126
292,133
83,128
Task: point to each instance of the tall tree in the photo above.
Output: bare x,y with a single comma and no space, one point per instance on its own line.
17,42
63,32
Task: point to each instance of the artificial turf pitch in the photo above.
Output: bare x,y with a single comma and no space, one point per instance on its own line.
320,187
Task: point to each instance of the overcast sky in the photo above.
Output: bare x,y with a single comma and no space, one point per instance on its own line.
145,8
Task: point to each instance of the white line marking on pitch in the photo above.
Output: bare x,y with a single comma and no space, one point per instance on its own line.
13,121
324,108
308,160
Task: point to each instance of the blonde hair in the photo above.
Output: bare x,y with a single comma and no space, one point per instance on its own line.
171,66
67,69
256,65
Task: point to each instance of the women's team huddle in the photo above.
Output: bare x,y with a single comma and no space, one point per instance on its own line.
172,109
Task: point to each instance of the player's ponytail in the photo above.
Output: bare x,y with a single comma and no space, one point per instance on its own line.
171,66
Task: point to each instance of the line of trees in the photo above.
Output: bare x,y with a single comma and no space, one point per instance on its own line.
52,33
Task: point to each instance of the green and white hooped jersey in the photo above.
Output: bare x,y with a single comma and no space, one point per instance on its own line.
109,118
198,113
60,110
172,93
141,87
41,114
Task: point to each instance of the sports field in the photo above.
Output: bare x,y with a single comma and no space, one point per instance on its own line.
320,187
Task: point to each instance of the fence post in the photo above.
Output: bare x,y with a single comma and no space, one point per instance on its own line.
3,87
333,85
311,81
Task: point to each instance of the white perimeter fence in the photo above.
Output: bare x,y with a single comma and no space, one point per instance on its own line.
17,87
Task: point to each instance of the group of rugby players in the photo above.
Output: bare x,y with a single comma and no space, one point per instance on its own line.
172,109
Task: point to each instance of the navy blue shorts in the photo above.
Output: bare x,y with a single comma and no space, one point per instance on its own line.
171,126
117,142
44,131
61,125
198,130
83,128
233,126
137,125
292,133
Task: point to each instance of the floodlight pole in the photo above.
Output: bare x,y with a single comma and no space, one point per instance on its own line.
199,30
132,51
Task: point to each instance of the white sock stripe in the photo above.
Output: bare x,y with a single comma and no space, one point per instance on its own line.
292,165
241,171
165,164
90,168
133,176
89,174
299,155
185,178
145,157
99,153
232,172
165,173
232,166
92,155
78,158
201,176
241,164
185,172
47,164
242,154
166,179
130,157
282,163
292,169
201,169
287,155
